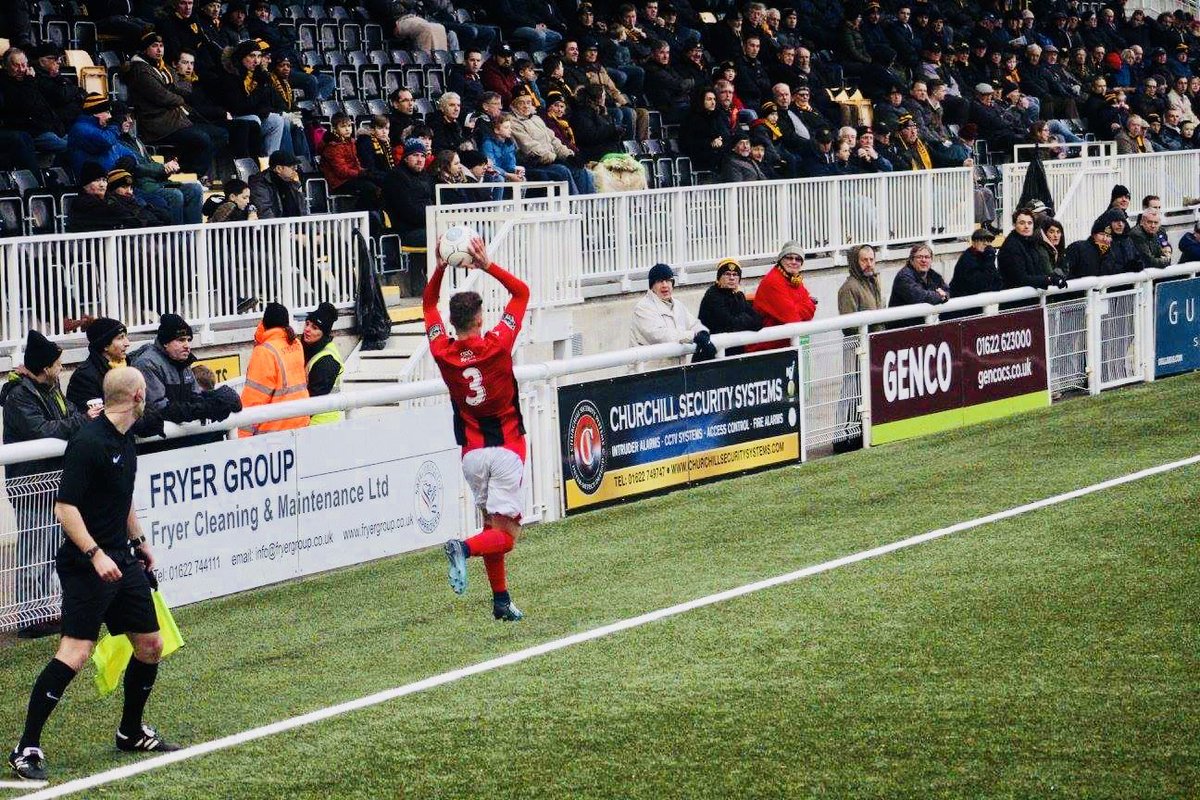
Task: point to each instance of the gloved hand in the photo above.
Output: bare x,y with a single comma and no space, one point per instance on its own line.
1058,278
705,349
221,402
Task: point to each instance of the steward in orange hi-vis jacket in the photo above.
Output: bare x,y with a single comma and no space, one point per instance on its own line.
276,372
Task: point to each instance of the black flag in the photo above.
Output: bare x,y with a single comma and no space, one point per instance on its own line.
1036,187
370,311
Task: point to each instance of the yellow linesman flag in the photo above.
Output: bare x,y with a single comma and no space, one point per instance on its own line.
112,653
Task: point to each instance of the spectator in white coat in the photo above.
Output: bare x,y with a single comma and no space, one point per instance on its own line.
659,318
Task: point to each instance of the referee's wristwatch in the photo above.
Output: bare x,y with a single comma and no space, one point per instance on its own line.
138,542
90,553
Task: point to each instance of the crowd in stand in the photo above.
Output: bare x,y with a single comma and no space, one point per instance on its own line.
755,92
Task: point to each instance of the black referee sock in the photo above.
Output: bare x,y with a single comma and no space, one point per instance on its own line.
47,691
139,680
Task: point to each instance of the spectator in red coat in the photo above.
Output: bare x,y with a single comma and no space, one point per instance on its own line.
499,75
340,165
781,297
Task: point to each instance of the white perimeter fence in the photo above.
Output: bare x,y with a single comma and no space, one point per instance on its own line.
1100,334
1082,186
623,234
198,271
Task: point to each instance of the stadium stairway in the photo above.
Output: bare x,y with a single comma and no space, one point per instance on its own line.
369,369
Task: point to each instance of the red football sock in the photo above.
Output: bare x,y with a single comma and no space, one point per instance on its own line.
494,564
492,541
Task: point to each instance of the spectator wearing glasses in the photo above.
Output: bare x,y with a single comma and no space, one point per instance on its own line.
25,108
724,308
917,282
781,297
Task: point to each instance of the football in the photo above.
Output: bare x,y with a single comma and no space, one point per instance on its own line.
454,247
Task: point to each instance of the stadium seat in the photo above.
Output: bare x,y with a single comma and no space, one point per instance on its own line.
664,172
380,58
683,171
378,106
12,221
631,147
245,167
316,195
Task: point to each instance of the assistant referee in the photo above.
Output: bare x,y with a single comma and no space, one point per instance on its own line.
100,566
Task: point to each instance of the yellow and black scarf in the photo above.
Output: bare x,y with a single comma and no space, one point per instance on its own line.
284,89
383,151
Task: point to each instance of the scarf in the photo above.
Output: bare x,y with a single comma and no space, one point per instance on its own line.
383,151
776,134
249,83
923,154
564,128
160,69
284,89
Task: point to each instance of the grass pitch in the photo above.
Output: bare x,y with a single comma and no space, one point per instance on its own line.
1053,654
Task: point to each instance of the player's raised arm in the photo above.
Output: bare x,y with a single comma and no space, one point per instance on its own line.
429,299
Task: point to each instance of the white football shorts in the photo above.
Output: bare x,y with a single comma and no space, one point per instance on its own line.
494,475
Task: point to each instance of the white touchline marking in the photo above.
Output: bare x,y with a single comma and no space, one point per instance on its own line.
225,742
22,785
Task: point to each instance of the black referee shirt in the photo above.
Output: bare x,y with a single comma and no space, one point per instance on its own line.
98,473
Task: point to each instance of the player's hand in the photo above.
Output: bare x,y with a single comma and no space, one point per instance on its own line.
145,556
479,254
106,568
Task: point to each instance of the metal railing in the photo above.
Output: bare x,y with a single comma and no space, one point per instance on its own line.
1082,186
198,271
626,233
1100,341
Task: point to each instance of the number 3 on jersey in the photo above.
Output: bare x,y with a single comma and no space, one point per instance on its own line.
474,379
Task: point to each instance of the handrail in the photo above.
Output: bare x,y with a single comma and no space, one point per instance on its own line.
400,392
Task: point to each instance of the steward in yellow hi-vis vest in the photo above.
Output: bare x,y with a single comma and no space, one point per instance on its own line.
323,361
276,371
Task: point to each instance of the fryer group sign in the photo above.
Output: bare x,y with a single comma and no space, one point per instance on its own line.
937,377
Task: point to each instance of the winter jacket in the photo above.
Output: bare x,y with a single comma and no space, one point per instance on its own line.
502,153
1148,248
170,385
26,109
1084,260
911,287
1189,248
275,374
697,133
738,169
1020,264
1124,255
87,381
595,133
656,321
665,89
90,213
498,79
339,161
62,94
536,144
406,194
728,311
323,373
161,107
147,216
447,134
243,93
976,273
859,292
780,302
275,198
35,411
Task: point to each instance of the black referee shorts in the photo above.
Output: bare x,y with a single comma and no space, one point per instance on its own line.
125,606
